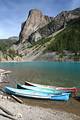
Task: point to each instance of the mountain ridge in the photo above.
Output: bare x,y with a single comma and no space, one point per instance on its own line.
58,37
44,27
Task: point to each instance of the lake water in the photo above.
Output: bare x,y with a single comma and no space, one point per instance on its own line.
51,73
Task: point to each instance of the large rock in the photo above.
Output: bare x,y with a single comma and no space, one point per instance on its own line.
65,16
34,21
60,21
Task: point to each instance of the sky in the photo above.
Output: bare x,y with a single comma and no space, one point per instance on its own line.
14,12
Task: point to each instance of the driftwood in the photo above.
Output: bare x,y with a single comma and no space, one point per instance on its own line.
8,116
17,99
14,97
6,111
2,82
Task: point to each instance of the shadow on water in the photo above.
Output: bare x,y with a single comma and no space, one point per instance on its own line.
77,98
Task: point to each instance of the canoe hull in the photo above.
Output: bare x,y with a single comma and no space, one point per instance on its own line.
37,95
73,89
38,89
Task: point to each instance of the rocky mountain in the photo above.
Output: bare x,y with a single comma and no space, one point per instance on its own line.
63,45
13,38
45,38
38,26
34,21
68,39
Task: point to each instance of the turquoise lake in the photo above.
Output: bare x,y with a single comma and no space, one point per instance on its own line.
52,73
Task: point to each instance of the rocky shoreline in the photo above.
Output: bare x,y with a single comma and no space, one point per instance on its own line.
42,58
27,112
50,56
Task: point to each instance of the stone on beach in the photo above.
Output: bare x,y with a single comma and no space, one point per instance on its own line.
26,112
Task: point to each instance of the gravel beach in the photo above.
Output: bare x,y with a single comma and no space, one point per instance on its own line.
27,112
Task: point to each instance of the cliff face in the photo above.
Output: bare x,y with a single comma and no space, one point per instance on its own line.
65,16
38,26
34,21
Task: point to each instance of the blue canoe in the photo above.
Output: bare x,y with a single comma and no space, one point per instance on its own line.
34,94
38,89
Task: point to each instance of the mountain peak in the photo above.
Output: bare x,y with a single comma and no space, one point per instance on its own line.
34,12
35,20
